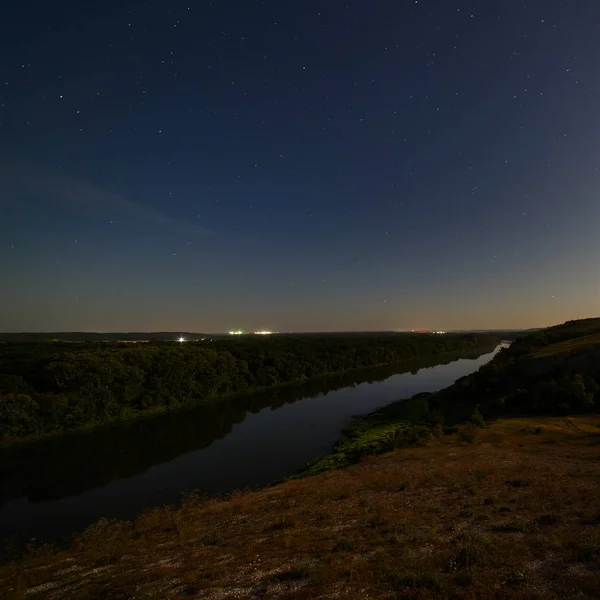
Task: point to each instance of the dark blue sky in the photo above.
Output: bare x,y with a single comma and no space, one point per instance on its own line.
374,164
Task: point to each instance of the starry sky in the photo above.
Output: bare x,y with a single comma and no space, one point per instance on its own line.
298,166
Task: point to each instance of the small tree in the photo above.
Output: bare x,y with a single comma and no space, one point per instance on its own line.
468,433
477,418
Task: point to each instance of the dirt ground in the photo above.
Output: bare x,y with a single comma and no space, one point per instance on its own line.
514,514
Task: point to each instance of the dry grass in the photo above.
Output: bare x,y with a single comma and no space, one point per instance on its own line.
587,342
514,514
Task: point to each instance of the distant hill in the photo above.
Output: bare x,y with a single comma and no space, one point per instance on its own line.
84,336
168,336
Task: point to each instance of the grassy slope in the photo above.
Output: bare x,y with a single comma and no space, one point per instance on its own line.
512,515
587,342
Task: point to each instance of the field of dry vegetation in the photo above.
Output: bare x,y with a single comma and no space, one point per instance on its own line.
513,514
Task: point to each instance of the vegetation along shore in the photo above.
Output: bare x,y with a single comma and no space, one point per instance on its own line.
496,498
50,388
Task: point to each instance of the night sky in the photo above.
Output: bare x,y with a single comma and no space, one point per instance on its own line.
299,166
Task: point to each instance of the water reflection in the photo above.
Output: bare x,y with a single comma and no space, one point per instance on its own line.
58,475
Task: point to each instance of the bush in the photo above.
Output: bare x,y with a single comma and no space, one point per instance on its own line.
434,417
296,573
416,581
477,418
464,558
548,519
279,525
18,414
468,433
451,430
587,549
12,384
514,527
343,545
517,483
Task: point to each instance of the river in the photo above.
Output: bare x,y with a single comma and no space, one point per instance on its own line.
54,488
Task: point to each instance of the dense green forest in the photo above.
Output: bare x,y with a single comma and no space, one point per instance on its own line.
55,387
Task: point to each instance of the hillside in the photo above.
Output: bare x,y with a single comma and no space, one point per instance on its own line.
555,371
512,515
551,371
487,489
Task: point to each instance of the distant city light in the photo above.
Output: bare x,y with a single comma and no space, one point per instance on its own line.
263,332
238,332
181,339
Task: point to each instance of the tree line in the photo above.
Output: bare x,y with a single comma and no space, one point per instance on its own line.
55,387
44,470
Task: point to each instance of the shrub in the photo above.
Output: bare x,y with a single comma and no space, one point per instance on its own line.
12,384
517,483
18,414
477,418
463,579
279,525
343,545
468,433
438,431
416,581
587,549
297,572
595,520
463,559
514,527
548,519
434,418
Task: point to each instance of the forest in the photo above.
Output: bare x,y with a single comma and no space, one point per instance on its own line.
56,387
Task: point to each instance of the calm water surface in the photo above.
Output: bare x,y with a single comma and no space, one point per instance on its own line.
55,488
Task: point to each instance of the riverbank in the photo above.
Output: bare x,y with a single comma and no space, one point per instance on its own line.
554,371
401,424
511,514
53,389
503,509
55,488
290,390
